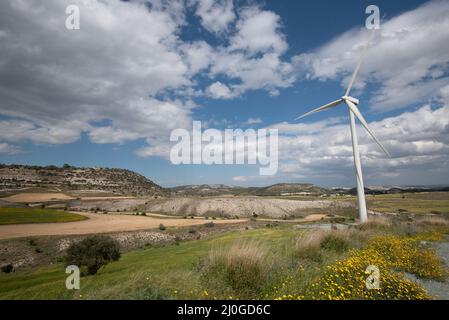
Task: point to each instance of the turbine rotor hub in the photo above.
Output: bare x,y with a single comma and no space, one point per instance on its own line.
353,100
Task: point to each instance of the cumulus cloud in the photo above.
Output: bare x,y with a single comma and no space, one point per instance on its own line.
416,139
219,90
407,59
215,15
62,82
259,31
126,71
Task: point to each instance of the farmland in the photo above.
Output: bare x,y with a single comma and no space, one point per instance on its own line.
31,215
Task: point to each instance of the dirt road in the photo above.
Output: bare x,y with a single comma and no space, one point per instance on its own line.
99,223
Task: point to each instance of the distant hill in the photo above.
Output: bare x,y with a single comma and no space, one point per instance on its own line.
272,190
207,190
117,181
290,189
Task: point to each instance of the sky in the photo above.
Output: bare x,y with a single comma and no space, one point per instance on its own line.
111,93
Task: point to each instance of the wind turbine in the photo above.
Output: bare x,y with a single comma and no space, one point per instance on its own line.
354,112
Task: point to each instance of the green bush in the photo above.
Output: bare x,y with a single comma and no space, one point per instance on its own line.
8,268
335,243
93,252
162,227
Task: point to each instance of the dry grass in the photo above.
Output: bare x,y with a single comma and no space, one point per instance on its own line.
307,245
375,223
244,267
432,221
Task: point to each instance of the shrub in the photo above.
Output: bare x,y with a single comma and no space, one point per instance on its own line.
334,242
7,268
307,245
93,252
244,267
209,224
162,227
346,278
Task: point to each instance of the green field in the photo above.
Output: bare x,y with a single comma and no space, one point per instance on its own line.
174,271
146,273
30,215
293,262
435,202
420,203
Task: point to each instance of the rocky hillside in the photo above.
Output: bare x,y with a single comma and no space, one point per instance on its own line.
273,190
282,189
207,190
117,181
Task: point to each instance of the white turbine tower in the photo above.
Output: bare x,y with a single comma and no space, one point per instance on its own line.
354,112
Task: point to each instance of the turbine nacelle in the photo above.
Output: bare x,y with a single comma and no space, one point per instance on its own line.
353,100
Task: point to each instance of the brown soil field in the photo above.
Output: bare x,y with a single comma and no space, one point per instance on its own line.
100,223
37,197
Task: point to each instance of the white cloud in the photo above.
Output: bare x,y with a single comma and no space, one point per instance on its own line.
198,55
215,15
219,90
252,61
408,59
8,148
117,78
416,139
254,121
240,178
61,82
258,31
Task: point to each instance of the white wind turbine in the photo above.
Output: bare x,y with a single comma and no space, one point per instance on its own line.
352,104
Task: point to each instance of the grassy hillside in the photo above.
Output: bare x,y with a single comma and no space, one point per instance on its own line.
29,215
273,262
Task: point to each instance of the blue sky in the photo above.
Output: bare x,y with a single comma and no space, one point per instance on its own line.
110,93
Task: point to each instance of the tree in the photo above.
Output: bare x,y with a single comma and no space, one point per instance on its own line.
93,252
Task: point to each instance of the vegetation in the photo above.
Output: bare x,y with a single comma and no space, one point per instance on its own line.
244,267
7,268
435,202
93,253
334,242
31,215
286,264
346,279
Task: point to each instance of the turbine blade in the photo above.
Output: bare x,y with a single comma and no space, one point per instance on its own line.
356,70
326,106
362,120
